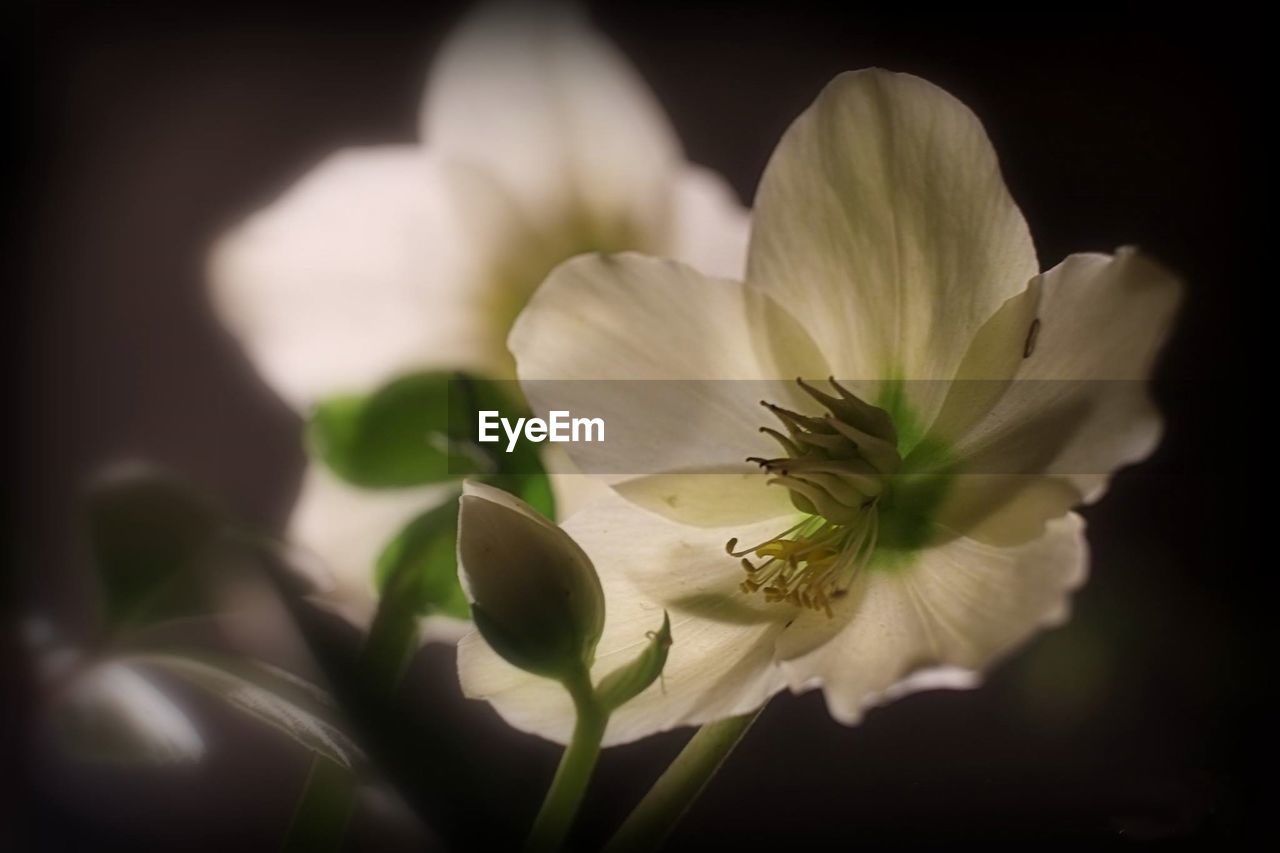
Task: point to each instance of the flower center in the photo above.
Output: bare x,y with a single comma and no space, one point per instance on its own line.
837,467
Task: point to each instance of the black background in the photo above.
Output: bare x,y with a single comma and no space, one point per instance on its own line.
147,128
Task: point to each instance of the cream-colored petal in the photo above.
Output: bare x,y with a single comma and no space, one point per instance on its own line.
362,270
657,350
883,225
938,619
709,500
1077,406
709,228
532,95
721,658
572,489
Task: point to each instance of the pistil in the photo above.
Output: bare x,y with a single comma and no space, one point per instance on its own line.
837,467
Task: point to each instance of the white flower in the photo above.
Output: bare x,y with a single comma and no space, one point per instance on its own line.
911,530
538,142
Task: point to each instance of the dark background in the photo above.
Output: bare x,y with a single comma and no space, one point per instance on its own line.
146,128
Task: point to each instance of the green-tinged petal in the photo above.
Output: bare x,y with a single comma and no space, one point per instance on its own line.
883,225
709,500
677,338
1045,436
364,269
721,659
936,620
530,94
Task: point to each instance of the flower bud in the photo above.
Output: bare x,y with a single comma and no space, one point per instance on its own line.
535,595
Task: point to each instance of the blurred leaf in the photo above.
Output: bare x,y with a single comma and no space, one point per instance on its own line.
420,565
416,576
629,681
280,700
432,762
532,488
415,430
112,712
324,809
147,530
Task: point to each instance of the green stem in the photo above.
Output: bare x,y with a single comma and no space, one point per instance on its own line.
329,797
679,786
576,765
320,821
393,636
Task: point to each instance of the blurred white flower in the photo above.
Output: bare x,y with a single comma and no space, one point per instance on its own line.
910,530
539,142
114,712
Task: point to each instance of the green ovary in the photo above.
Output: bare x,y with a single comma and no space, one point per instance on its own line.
862,504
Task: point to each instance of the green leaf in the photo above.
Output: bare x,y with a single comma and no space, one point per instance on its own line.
148,531
415,430
629,681
416,575
420,564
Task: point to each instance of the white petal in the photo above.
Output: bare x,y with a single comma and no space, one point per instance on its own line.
115,712
883,225
1077,406
721,658
709,227
362,270
661,342
530,94
572,489
347,528
937,621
